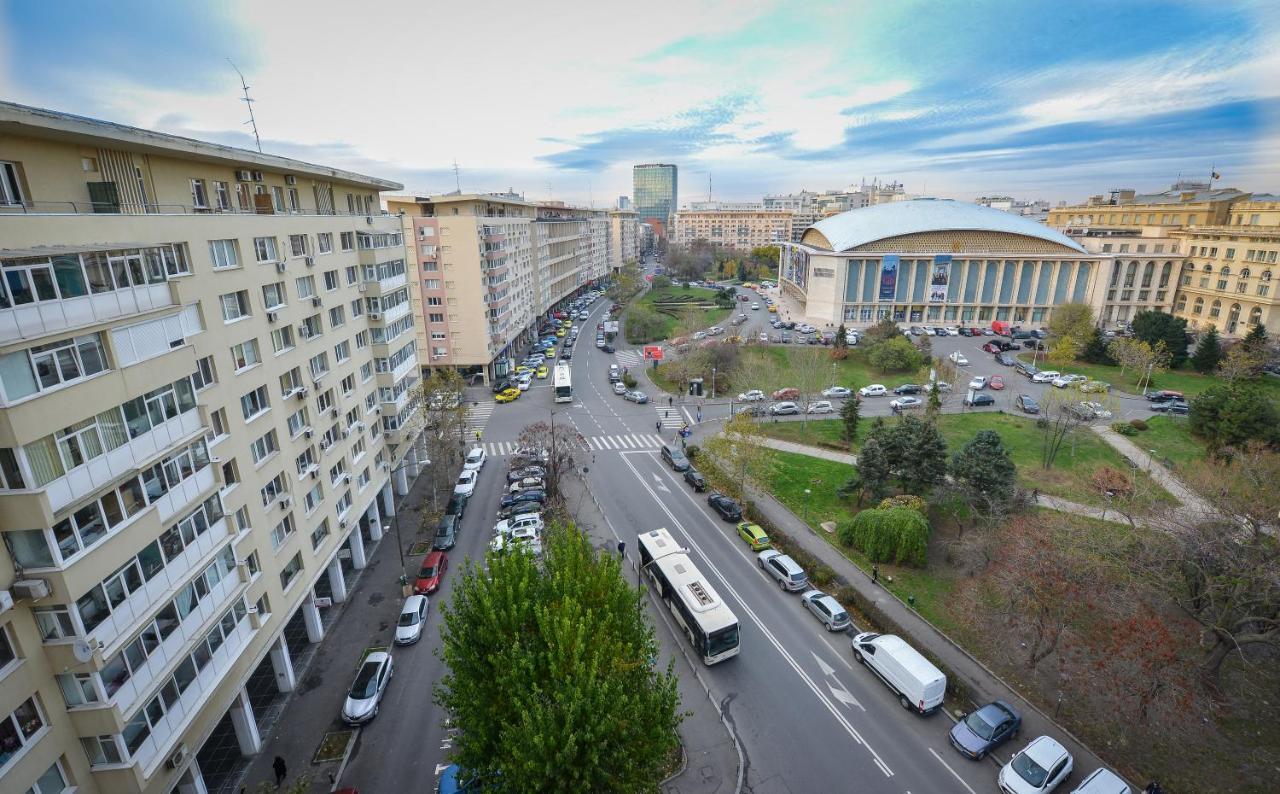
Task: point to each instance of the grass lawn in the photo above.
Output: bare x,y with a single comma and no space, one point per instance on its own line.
1067,479
706,317
1188,382
1168,437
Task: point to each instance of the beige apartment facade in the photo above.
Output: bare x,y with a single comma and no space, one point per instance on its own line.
1229,279
207,369
624,238
736,229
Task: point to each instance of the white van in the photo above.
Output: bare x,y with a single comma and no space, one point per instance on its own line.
1102,781
920,685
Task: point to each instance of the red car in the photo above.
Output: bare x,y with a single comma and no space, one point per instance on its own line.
996,382
991,347
433,568
786,394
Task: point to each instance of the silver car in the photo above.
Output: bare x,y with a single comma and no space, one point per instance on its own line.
826,609
368,688
413,616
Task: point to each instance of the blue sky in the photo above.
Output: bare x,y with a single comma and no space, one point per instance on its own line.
959,99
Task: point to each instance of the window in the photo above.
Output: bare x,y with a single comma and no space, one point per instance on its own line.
342,351
273,489
230,473
319,534
353,275
357,308
43,367
337,316
305,462
223,253
347,385
348,241
254,403
313,498
431,283
435,302
277,198
324,242
319,365
298,244
274,295
290,571
245,354
19,728
311,327
294,204
297,421
435,317
362,340
235,305
10,184
222,194
282,339
199,198
7,653
264,446
306,286
290,381
330,280
264,249
218,423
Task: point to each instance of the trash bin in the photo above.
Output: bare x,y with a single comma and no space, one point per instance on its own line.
695,387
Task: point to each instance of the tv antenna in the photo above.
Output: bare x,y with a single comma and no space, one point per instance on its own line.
457,178
248,101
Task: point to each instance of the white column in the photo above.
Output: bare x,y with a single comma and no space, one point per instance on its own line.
401,480
311,617
375,522
245,726
336,583
358,559
192,781
388,501
282,664
411,464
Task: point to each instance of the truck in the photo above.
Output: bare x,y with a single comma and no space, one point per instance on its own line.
1002,328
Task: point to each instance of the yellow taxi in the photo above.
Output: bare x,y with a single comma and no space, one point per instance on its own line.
507,396
561,332
541,374
523,368
550,353
753,535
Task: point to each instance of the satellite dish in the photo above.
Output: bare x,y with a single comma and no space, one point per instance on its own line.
82,650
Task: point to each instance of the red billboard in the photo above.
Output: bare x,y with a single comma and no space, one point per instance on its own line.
652,353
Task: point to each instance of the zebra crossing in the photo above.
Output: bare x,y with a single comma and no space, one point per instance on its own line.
478,416
629,358
621,441
672,418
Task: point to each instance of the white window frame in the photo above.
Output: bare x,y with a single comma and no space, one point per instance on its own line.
224,254
199,194
264,249
10,184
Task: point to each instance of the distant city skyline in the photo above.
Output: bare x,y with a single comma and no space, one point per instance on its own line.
757,97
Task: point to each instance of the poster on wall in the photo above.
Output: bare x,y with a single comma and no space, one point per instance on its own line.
888,276
798,265
939,278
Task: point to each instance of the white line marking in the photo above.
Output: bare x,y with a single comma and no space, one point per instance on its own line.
887,771
952,771
688,415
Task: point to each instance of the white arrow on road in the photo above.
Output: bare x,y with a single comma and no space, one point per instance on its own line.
658,482
837,689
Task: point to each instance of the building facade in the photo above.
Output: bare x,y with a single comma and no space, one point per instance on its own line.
624,238
655,188
206,389
936,261
1229,275
737,229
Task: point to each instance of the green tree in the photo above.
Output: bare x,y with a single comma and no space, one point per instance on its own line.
899,535
1234,414
550,675
850,415
1096,351
895,355
1154,327
984,473
1208,352
882,331
741,451
1256,340
661,282
1070,328
742,271
920,460
873,468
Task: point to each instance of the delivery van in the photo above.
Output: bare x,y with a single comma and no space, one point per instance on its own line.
919,685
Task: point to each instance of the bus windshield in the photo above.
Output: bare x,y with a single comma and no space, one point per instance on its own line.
725,639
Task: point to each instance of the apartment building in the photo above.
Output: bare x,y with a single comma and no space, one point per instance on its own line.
1228,280
624,238
572,250
738,229
808,207
207,362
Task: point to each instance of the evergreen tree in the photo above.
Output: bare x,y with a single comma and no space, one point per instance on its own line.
873,468
841,341
1096,350
1256,340
919,456
984,472
1154,327
1233,414
850,415
1208,352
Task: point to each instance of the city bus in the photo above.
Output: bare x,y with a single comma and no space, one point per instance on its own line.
563,383
707,622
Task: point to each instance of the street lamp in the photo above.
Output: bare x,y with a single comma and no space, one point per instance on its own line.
806,505
713,383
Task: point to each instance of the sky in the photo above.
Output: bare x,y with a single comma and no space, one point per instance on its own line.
1057,101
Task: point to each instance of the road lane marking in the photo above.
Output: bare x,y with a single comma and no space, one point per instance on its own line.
952,771
838,690
813,687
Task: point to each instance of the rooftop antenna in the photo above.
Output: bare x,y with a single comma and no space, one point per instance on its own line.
457,179
248,100
708,187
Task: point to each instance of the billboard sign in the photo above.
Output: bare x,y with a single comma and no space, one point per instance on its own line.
888,276
611,327
939,278
652,353
795,265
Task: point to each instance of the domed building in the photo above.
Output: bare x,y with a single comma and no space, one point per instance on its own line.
936,261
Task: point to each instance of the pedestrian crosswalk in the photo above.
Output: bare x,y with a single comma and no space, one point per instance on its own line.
629,358
478,416
672,418
621,441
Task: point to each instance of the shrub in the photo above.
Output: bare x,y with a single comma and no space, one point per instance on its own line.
904,500
1124,428
897,534
691,452
629,380
1138,424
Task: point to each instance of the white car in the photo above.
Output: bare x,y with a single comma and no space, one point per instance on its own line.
466,483
874,390
806,328
755,306
1099,410
940,385
525,381
1045,376
527,521
715,330
905,403
475,459
764,337
413,616
958,359
953,331
522,536
526,484
699,335
1063,381
753,396
837,391
1037,769
821,407
366,691
619,388
979,382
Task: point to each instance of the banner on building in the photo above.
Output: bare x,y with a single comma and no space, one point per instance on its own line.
888,276
795,265
940,278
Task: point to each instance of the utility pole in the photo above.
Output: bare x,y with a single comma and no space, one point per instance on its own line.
252,122
457,179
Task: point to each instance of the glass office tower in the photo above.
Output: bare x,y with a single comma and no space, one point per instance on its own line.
654,185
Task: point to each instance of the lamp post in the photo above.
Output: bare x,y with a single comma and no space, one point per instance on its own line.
806,505
713,383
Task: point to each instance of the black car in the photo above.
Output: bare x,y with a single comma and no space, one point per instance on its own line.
1023,368
1174,406
608,348
908,388
533,495
446,534
1164,396
675,457
457,506
695,478
980,400
519,509
1006,346
1027,404
519,473
725,507
566,355
1005,359
503,385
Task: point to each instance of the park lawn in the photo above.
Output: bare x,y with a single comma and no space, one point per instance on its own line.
1170,437
815,432
1188,382
772,367
707,317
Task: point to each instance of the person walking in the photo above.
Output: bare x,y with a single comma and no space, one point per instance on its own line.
699,413
875,574
658,425
670,401
281,771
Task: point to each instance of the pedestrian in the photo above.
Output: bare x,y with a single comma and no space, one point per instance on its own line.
280,770
1153,787
658,425
670,401
875,574
699,413
1035,494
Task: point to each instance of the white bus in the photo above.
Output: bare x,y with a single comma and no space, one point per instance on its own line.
706,620
563,383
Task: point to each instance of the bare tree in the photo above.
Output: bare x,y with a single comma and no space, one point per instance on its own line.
739,450
442,418
1060,417
813,371
555,446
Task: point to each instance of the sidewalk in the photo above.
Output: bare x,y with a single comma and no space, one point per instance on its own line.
1156,470
811,451
712,762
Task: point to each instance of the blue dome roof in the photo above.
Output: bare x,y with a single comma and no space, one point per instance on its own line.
854,228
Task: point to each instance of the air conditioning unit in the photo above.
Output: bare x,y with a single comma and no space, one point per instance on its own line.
346,479
358,424
290,179
325,444
334,412
300,392
375,316
311,261
363,287
178,757
377,409
308,432
257,176
304,331
346,432
285,502
282,266
243,176
315,301
342,522
32,589
271,317
315,472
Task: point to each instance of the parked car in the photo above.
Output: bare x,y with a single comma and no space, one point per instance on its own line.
940,385
446,533
615,373
1045,376
958,359
978,382
1094,387
1164,395
753,535
1098,410
784,409
367,690
502,386
991,347
839,392
475,459
519,509
413,616
1005,360
1063,381
1037,769
619,388
526,484
724,507
431,573
826,609
996,382
905,403
820,407
457,505
536,495
467,482
521,472
755,395
873,390
695,479
784,570
1172,407
1023,368
979,400
1102,781
908,388
529,521
983,730
786,394
675,457
637,397
919,685
1027,404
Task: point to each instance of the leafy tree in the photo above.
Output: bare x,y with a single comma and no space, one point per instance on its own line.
661,282
984,473
850,415
1137,356
873,468
1154,327
1208,352
550,675
1095,350
899,535
1242,361
643,324
1071,326
740,449
895,355
1233,414
882,331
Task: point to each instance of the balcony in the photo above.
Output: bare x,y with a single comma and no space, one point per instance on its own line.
498,272
395,312
494,254
492,235
34,320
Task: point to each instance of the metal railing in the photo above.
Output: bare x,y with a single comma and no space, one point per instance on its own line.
125,208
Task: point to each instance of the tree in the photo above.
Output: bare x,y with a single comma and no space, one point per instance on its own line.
882,331
1256,340
661,282
1208,352
850,415
894,355
550,673
560,442
840,346
1070,328
742,271
1241,362
740,449
1060,417
1154,327
442,420
1138,357
812,372
643,324
922,461
899,535
873,468
985,475
1095,350
1233,414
